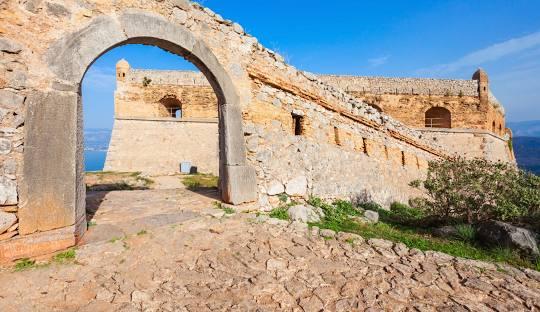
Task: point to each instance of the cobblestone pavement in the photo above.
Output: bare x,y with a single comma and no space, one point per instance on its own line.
215,262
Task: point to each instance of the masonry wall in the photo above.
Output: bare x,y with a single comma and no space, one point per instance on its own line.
407,99
145,138
362,163
134,99
159,146
473,143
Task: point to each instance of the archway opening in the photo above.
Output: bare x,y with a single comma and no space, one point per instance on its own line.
151,124
58,181
438,117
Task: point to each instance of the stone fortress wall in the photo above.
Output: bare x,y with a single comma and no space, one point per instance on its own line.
476,120
280,129
149,135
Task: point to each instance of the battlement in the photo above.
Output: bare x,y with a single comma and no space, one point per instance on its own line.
168,77
413,86
126,74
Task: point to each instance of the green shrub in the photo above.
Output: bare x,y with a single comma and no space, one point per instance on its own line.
370,206
476,190
405,212
466,232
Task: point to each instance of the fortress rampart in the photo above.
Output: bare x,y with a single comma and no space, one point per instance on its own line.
279,129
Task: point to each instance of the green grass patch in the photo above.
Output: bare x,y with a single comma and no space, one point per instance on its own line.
280,213
66,256
91,224
142,232
25,264
115,239
198,181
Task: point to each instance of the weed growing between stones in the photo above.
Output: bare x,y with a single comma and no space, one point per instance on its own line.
280,212
25,264
66,256
228,210
142,232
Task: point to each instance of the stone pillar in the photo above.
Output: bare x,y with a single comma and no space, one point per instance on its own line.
53,193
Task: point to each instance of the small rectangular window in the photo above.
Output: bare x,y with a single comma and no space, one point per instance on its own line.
364,142
298,124
336,136
403,158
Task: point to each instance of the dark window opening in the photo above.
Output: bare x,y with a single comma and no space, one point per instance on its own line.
171,107
298,124
403,158
336,136
364,143
438,117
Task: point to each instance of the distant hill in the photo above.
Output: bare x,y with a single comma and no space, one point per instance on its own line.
97,139
525,128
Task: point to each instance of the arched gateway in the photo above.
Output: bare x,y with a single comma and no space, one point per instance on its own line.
277,124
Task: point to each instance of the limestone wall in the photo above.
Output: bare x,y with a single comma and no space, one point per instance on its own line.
135,99
159,146
361,163
407,99
473,143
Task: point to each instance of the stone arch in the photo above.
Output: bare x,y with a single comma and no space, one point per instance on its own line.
438,117
53,192
170,106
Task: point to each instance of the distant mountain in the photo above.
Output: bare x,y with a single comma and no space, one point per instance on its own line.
525,128
97,139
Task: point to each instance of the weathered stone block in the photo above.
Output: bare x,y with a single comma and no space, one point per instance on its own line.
49,190
5,146
238,184
9,46
297,186
56,9
8,191
10,100
7,220
275,187
38,244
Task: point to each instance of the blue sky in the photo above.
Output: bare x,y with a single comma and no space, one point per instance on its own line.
441,39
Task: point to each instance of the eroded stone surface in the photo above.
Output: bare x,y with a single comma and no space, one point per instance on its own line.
234,263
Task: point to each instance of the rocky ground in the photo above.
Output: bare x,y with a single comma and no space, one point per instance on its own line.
172,251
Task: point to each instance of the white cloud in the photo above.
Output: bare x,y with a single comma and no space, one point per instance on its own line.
378,61
100,77
485,55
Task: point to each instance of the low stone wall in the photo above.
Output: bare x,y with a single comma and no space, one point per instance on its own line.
158,146
472,143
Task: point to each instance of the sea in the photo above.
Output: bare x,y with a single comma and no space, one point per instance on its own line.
96,143
94,160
